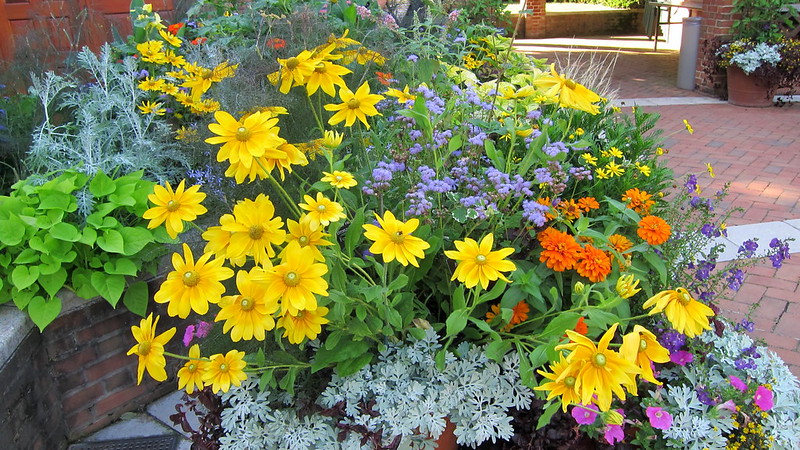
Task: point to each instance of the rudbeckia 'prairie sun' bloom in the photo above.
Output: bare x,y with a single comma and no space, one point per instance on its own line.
326,76
303,324
569,93
392,238
150,348
477,263
294,71
248,315
303,235
562,383
601,371
641,347
190,376
174,207
321,210
253,136
296,280
192,285
627,286
339,179
254,229
687,315
222,371
354,106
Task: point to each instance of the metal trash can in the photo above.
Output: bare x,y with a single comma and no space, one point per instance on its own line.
687,58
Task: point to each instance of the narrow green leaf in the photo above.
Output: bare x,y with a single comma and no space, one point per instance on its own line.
351,366
658,264
43,311
497,349
560,324
136,298
398,283
544,419
354,233
333,339
456,322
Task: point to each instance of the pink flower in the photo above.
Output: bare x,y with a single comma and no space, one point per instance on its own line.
614,433
188,335
582,415
681,357
202,329
659,418
737,383
763,398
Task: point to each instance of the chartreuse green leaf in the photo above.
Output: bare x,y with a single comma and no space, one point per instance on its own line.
55,200
43,311
102,185
24,276
22,298
135,239
65,231
53,282
12,230
111,241
136,297
121,266
456,321
110,287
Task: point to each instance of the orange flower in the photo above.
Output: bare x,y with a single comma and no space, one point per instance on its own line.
519,314
569,209
654,230
546,202
174,28
384,78
198,41
581,327
593,264
588,203
619,243
276,43
638,201
559,250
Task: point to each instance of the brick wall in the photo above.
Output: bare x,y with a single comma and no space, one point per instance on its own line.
594,23
75,378
714,28
535,21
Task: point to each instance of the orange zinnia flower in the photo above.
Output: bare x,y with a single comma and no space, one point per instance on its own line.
546,202
384,78
654,230
581,327
593,264
569,209
559,250
588,203
619,243
174,28
519,314
638,201
276,43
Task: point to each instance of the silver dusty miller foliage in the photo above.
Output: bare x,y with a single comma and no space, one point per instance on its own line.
407,396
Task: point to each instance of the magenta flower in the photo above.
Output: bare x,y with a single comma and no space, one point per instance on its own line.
681,357
659,418
614,434
763,398
582,415
188,335
737,383
202,329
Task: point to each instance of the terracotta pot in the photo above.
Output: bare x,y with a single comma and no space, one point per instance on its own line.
747,90
447,440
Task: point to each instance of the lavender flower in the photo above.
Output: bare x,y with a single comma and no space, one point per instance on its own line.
748,248
781,254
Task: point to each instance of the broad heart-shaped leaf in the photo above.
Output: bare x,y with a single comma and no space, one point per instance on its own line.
54,282
135,239
65,231
110,287
12,230
50,199
24,276
121,266
81,282
22,298
136,297
111,241
43,311
102,185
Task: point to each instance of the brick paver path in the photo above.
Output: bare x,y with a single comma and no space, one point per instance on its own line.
756,150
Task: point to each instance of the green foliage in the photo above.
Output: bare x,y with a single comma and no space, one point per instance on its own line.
620,4
47,246
18,116
761,20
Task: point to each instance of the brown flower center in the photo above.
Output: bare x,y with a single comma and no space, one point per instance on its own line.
353,103
243,134
173,206
255,232
292,63
191,278
291,279
599,360
247,303
397,237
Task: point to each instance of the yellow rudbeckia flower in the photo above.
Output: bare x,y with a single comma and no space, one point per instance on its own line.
222,371
354,106
569,93
190,376
303,324
477,263
687,315
150,348
174,207
248,314
393,239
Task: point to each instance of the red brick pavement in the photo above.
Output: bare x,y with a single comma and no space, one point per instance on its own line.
756,150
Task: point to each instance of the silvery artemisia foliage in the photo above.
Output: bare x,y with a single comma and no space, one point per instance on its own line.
698,425
408,396
107,132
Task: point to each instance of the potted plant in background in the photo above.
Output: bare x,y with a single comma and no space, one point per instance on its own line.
759,59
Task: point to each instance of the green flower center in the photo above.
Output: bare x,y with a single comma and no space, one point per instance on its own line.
320,68
223,367
397,237
191,278
192,367
247,303
684,297
291,279
243,134
303,240
206,74
255,232
353,103
321,208
338,178
173,206
292,63
599,360
570,83
144,348
642,345
569,381
480,259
